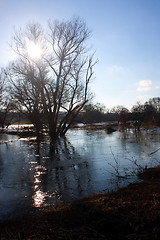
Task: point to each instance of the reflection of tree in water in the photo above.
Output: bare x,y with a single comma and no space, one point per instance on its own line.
60,173
62,147
140,137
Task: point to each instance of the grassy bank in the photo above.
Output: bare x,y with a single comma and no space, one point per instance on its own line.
129,213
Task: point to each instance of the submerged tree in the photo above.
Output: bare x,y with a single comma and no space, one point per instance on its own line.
52,73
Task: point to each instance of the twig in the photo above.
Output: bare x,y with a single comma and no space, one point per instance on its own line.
154,151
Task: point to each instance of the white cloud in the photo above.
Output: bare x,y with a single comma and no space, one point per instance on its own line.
144,85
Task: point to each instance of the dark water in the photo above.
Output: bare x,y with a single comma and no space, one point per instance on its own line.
34,175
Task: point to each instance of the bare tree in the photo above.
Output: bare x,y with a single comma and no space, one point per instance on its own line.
118,109
5,105
2,82
25,92
94,113
155,102
57,78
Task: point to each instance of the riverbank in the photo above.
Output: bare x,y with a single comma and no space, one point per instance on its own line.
129,213
27,130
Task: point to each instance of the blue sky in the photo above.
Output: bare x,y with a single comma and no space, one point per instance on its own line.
125,37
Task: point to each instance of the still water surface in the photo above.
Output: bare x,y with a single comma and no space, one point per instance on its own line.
34,175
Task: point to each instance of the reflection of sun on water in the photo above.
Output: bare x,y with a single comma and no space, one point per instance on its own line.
37,180
39,198
35,187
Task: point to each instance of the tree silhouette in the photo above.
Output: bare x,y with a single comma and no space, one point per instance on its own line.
56,79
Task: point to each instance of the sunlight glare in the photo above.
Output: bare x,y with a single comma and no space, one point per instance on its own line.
34,50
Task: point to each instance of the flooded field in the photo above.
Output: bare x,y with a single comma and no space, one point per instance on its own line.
34,175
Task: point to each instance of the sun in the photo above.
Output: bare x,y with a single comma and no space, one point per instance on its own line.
34,50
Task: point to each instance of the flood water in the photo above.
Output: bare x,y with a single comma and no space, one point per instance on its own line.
35,175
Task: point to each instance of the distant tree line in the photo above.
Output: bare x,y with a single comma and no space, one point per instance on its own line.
149,112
